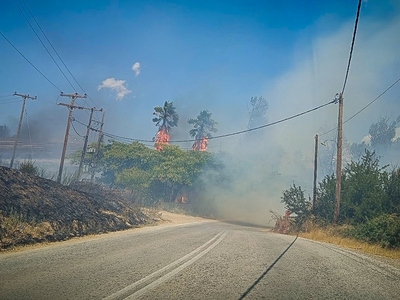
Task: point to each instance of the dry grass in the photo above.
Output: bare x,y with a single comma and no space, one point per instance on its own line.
332,235
14,228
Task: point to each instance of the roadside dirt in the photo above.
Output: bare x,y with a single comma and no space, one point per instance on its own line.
173,218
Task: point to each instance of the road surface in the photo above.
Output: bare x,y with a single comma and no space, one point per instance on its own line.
203,260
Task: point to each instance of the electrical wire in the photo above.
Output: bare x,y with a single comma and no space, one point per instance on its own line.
30,62
366,106
113,136
10,101
372,101
12,97
47,50
73,127
7,100
352,45
350,56
56,52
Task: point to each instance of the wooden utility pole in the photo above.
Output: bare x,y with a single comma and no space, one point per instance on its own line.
339,160
85,145
96,158
314,203
71,108
24,97
88,128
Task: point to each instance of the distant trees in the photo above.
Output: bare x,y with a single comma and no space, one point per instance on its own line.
258,112
203,125
382,140
382,133
153,175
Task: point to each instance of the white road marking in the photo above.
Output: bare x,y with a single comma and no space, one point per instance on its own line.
203,249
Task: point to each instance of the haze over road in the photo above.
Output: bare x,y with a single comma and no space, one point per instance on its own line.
203,260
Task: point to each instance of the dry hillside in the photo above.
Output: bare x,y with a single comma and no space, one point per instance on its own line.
34,209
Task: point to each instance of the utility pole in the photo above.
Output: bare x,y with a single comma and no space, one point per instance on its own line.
88,128
339,160
71,108
96,158
315,174
24,97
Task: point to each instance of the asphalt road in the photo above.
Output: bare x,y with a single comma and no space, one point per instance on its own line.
210,260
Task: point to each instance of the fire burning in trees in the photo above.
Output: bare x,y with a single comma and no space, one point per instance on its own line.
162,138
200,145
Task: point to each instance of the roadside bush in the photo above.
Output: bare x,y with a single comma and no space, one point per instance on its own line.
383,230
296,203
28,166
325,206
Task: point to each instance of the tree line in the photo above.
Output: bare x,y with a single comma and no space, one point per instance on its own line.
370,192
170,174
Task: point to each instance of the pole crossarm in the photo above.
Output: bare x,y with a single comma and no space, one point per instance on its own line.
25,96
79,107
74,95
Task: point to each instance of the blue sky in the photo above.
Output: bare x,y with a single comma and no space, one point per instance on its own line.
212,55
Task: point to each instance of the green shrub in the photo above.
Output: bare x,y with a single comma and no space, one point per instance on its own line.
383,230
296,203
28,166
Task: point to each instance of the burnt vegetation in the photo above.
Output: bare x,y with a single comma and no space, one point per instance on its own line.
35,209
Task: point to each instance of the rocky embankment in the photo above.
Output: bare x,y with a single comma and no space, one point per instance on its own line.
34,209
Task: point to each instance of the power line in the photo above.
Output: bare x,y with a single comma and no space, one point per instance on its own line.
47,50
56,52
372,101
352,45
113,136
362,109
73,127
9,98
11,101
59,57
29,62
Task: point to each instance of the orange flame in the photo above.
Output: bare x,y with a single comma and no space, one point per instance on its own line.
200,145
162,138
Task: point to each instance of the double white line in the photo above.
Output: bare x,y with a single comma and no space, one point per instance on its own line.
151,281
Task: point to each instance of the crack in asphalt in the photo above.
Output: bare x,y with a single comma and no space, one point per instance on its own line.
267,270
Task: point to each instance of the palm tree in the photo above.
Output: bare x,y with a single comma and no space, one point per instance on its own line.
165,118
203,126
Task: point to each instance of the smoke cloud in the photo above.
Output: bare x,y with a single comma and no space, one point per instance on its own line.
261,165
